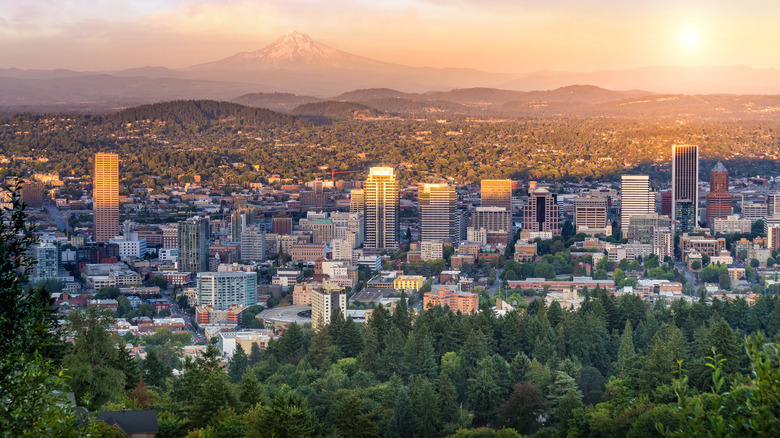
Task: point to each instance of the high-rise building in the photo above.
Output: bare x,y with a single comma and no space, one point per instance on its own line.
281,225
773,238
105,194
635,199
357,201
718,199
222,290
170,236
324,301
666,203
194,245
438,204
590,213
381,209
47,260
685,181
238,224
498,193
253,244
541,213
641,227
773,204
685,214
489,218
32,194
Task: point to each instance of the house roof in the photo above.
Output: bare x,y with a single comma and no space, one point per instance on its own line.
131,422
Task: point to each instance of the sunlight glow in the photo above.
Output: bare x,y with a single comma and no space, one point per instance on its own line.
689,39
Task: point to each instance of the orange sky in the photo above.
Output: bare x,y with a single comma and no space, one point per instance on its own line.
490,35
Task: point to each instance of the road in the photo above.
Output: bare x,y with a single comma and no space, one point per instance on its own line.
176,312
59,218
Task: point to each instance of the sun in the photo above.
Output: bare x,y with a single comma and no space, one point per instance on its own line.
689,39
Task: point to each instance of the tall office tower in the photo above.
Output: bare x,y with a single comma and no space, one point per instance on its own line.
685,179
685,212
382,205
32,194
357,201
541,213
773,204
438,203
281,225
253,244
105,196
590,213
718,199
194,245
666,203
635,198
325,301
498,193
222,290
773,238
238,224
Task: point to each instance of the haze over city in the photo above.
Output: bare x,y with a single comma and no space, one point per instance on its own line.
495,36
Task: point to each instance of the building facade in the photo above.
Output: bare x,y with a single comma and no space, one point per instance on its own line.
105,196
223,290
541,213
718,199
194,235
325,301
635,199
685,183
381,209
438,204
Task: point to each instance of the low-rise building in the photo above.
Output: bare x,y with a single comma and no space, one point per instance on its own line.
452,297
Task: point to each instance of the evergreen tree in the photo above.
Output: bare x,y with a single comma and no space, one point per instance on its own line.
213,394
254,354
251,392
426,409
353,422
626,351
155,370
320,351
391,362
447,399
474,350
368,359
350,340
484,392
520,368
287,416
402,422
238,364
523,408
401,318
564,384
291,346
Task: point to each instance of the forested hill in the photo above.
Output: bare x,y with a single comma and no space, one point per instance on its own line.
333,110
205,112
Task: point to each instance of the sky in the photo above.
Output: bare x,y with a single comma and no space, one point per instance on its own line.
511,36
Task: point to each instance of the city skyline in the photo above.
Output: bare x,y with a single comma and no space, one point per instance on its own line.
561,35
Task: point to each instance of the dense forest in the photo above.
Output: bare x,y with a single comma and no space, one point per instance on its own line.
230,145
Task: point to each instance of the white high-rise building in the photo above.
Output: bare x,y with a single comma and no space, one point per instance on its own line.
221,290
635,199
381,209
253,244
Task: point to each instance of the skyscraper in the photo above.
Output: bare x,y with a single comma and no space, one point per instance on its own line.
541,213
635,198
357,201
718,199
194,245
498,193
438,203
221,290
685,182
381,209
105,194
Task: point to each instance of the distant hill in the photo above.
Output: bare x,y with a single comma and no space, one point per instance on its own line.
204,112
285,102
333,110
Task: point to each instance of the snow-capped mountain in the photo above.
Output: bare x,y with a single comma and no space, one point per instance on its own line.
292,50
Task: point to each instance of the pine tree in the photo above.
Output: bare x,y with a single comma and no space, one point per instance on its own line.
564,384
391,362
353,422
251,392
474,350
320,352
484,392
520,368
238,364
402,422
369,357
626,351
401,318
426,409
447,399
350,341
291,345
254,354
155,370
